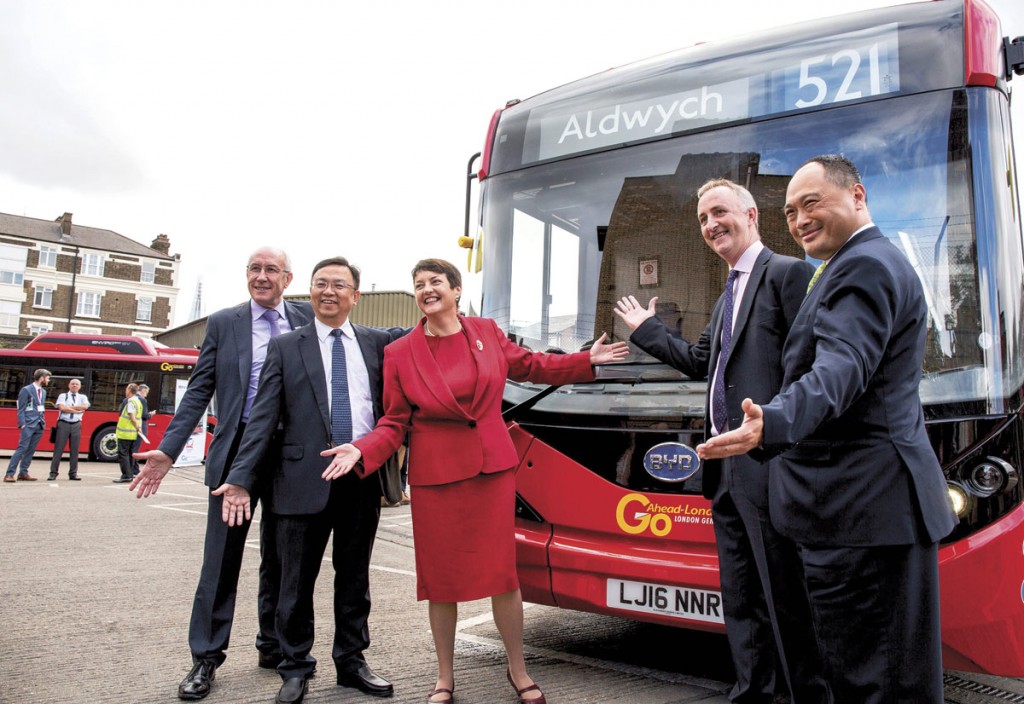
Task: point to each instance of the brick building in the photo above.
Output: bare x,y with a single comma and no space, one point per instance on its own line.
58,276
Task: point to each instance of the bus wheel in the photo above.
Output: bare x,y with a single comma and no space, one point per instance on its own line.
104,444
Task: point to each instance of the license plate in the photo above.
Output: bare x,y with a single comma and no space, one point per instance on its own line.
676,602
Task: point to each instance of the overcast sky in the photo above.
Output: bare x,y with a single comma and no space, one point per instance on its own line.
322,127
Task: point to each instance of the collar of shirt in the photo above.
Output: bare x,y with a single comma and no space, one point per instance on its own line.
359,394
749,256
856,232
257,311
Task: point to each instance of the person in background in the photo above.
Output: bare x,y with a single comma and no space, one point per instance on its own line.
146,415
72,405
858,486
229,366
767,617
31,423
128,424
443,384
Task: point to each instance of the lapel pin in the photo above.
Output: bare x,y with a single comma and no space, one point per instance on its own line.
480,345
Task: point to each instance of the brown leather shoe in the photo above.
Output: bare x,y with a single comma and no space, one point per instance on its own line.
26,478
524,690
8,478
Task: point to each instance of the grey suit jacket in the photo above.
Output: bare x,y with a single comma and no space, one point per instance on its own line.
223,368
293,396
772,296
856,466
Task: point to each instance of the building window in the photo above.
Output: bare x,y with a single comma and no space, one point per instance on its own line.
148,272
87,331
47,257
88,304
10,314
92,264
12,264
43,297
145,312
37,329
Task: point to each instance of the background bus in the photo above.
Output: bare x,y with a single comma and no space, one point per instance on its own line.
105,364
588,193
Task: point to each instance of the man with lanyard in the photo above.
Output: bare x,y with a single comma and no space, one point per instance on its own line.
72,405
31,423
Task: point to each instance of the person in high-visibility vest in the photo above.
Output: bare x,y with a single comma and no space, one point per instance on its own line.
129,423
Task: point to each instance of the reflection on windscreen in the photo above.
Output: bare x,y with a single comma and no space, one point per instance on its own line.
581,233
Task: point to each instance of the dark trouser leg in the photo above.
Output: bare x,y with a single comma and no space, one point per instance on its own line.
747,624
136,446
63,432
270,584
301,541
124,459
876,615
356,511
213,608
76,440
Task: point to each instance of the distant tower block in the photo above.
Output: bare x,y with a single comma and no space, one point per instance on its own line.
197,303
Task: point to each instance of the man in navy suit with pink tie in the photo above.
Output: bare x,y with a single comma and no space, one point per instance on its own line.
31,423
857,487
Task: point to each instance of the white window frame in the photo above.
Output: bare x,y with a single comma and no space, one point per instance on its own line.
10,318
148,312
47,253
148,273
93,264
38,328
86,331
42,297
13,261
79,307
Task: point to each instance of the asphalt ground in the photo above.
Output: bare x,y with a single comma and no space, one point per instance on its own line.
96,593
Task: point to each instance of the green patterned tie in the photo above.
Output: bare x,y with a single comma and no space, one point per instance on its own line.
817,275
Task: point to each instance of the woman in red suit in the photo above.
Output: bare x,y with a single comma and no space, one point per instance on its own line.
443,384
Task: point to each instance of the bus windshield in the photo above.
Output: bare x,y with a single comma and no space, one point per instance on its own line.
565,239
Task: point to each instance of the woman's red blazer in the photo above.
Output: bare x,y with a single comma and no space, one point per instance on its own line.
447,441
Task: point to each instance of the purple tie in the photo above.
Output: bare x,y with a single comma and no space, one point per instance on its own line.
721,415
272,316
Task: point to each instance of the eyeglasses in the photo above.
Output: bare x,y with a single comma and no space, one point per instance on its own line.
271,271
338,285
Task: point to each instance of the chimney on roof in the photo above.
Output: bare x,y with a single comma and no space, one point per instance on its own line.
162,244
65,227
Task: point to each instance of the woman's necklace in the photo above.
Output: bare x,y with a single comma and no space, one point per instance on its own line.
426,330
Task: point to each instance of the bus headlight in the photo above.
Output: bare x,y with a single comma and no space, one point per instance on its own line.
990,476
958,497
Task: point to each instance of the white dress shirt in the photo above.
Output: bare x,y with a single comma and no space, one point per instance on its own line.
66,400
743,268
359,395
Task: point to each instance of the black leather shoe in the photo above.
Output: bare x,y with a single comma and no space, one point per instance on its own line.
366,680
269,661
197,682
52,478
292,691
75,479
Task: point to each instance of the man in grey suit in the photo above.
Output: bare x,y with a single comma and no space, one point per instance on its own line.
323,385
766,616
857,487
229,365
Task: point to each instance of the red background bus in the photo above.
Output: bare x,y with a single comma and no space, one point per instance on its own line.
588,194
105,364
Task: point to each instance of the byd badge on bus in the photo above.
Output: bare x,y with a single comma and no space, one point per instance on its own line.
671,462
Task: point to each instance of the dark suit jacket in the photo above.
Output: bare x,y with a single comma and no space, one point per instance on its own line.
770,302
293,395
862,471
447,441
223,367
28,407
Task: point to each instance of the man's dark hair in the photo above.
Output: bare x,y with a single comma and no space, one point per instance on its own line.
839,170
40,373
337,261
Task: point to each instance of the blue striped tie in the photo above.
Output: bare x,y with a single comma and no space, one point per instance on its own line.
341,409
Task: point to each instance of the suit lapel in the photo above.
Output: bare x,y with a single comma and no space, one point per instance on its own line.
430,372
242,329
313,362
370,357
482,347
749,292
296,319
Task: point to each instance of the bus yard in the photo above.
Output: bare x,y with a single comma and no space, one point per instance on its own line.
98,586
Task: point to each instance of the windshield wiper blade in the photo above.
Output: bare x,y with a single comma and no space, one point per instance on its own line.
513,413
